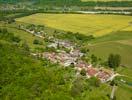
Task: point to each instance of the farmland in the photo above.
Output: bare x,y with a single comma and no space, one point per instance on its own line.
117,42
105,0
113,32
97,25
66,49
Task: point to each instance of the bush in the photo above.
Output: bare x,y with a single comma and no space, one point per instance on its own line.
114,61
36,42
94,82
83,72
16,39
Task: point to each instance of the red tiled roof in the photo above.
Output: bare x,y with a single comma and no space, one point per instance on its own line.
92,71
103,75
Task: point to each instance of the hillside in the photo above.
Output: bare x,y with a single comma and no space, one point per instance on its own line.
113,32
91,3
65,50
25,77
88,3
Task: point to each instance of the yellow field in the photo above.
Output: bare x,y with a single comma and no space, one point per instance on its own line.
97,25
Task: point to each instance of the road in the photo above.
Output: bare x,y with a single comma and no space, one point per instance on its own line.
113,92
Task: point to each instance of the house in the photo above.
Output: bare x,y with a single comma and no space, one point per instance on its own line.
91,71
63,43
69,62
105,75
81,65
54,45
76,53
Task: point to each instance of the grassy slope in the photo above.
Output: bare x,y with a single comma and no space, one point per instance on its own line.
96,93
105,0
119,42
97,25
104,49
24,36
25,78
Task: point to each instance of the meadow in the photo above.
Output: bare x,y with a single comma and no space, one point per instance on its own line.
105,0
97,25
24,36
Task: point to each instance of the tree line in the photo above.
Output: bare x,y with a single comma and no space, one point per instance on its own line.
73,3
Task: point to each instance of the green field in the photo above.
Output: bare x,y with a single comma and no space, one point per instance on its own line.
105,0
87,24
119,42
104,49
24,36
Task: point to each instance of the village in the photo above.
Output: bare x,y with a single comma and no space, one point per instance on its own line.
68,54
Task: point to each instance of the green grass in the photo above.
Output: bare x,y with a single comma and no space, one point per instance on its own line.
99,93
124,90
24,36
114,36
123,93
119,43
87,24
102,50
105,0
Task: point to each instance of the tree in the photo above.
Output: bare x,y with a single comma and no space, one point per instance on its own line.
118,60
114,60
111,60
84,50
94,82
93,59
77,87
25,47
72,65
10,20
4,30
36,41
83,72
16,39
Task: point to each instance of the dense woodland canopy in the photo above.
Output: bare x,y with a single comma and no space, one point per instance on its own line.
24,77
73,3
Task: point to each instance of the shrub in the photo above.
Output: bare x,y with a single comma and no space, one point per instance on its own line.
36,41
83,72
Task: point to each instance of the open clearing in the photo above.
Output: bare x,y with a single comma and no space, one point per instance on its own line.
87,24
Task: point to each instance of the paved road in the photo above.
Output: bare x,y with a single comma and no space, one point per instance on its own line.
113,92
105,12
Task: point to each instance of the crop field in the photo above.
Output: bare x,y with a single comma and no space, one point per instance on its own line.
87,24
